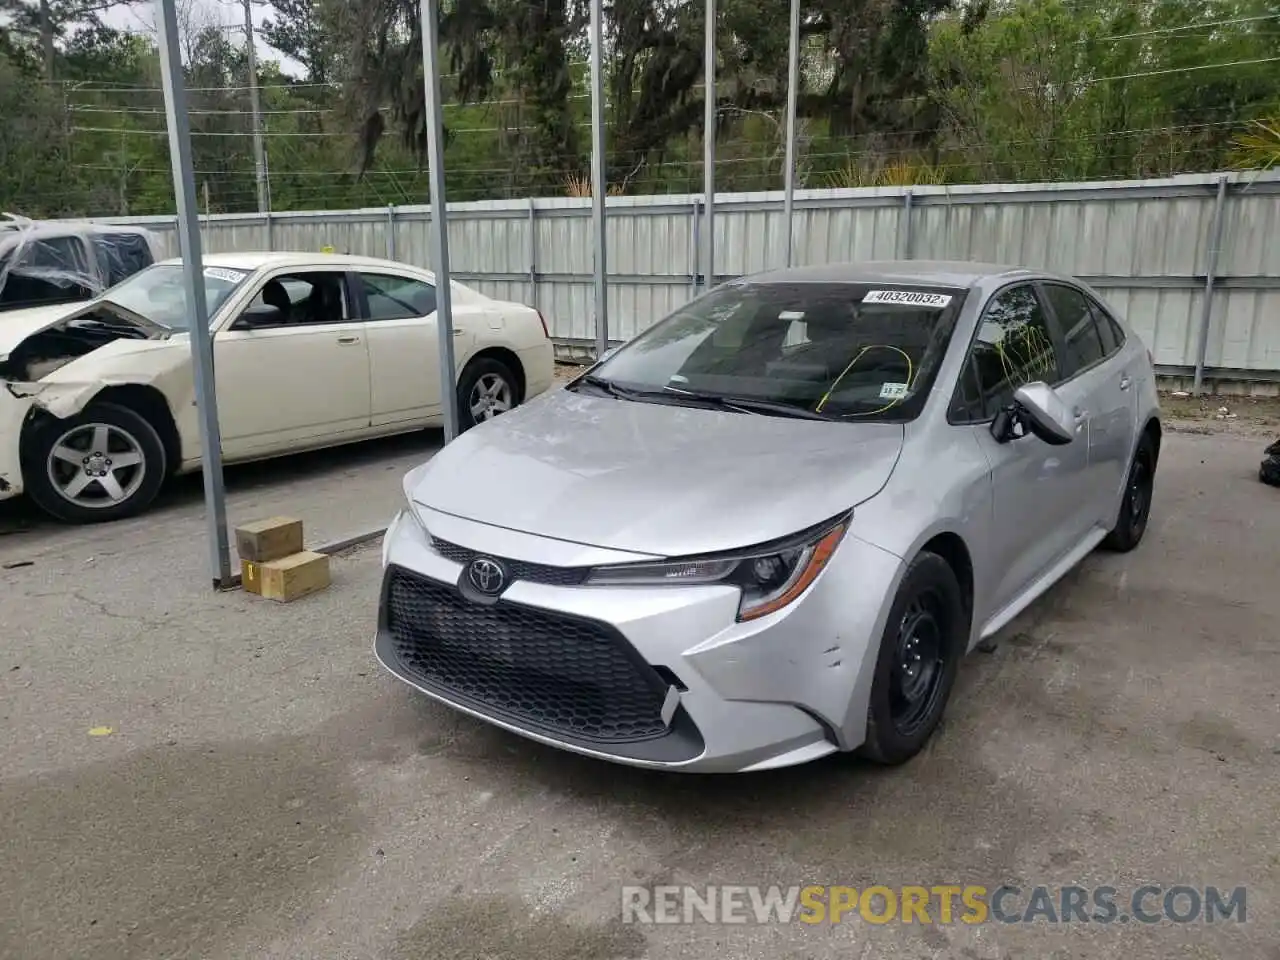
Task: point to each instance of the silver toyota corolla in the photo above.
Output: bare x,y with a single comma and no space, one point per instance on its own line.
768,528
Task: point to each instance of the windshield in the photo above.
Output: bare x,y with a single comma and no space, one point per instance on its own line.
843,351
158,294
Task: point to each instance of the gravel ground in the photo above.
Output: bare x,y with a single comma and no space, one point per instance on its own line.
199,775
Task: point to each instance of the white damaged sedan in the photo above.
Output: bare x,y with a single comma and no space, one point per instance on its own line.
97,400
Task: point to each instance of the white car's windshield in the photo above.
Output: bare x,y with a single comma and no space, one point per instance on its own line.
158,293
840,351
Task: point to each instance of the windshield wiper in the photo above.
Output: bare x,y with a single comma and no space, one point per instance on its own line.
665,395
752,405
611,388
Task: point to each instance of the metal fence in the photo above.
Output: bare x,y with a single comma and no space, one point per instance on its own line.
1192,261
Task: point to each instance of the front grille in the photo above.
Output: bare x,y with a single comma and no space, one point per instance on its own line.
564,675
519,569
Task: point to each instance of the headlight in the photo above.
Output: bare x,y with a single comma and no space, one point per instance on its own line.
770,576
407,486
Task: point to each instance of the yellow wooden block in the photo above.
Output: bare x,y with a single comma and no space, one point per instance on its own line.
269,539
294,576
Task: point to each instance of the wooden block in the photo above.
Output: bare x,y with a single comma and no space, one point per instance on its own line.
295,576
271,539
250,577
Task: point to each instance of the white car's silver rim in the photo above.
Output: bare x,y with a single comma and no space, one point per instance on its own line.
96,465
490,396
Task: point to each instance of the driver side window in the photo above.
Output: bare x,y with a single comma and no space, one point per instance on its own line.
299,299
1012,347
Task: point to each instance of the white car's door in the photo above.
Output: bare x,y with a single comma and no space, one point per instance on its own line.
293,368
404,352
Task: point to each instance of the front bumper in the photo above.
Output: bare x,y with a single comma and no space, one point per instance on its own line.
13,413
649,676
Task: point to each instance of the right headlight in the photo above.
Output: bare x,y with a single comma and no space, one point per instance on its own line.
770,576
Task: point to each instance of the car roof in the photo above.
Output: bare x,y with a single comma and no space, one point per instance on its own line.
941,273
255,260
18,229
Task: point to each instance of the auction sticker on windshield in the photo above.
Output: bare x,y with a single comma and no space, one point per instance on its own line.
908,297
222,273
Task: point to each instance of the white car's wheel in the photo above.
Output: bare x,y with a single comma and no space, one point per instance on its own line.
486,389
103,464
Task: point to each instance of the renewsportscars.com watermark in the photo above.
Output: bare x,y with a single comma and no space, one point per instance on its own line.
943,903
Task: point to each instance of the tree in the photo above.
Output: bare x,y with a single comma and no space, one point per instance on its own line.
50,21
303,32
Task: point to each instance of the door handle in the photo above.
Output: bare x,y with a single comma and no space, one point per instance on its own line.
348,340
457,332
1125,382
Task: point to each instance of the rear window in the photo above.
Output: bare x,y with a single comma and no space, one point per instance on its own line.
848,351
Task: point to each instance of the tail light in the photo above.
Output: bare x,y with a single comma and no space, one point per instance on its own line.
543,320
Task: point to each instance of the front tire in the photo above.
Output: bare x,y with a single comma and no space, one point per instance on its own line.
486,389
920,652
106,463
1136,506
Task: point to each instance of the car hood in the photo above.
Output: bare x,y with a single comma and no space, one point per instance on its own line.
656,479
16,326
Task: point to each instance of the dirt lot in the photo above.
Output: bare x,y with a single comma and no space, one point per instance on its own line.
1233,416
188,774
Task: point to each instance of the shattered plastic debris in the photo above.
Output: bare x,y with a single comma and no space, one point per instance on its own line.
1180,393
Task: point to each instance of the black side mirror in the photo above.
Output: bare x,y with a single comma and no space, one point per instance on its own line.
258,316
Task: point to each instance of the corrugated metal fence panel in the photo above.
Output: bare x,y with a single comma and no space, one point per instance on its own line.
1145,244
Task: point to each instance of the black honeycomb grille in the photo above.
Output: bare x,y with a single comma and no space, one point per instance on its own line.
538,669
518,569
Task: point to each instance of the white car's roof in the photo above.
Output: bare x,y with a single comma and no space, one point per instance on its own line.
255,260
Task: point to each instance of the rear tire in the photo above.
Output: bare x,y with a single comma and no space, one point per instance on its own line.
924,639
487,389
1135,509
105,463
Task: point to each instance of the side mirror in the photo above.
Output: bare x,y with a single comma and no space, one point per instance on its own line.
259,315
607,354
1038,408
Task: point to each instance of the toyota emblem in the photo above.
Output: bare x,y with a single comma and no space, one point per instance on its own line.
487,576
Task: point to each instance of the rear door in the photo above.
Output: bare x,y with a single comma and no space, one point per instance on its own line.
1035,512
1097,384
404,367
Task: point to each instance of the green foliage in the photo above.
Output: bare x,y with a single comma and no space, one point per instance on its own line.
1259,149
894,93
